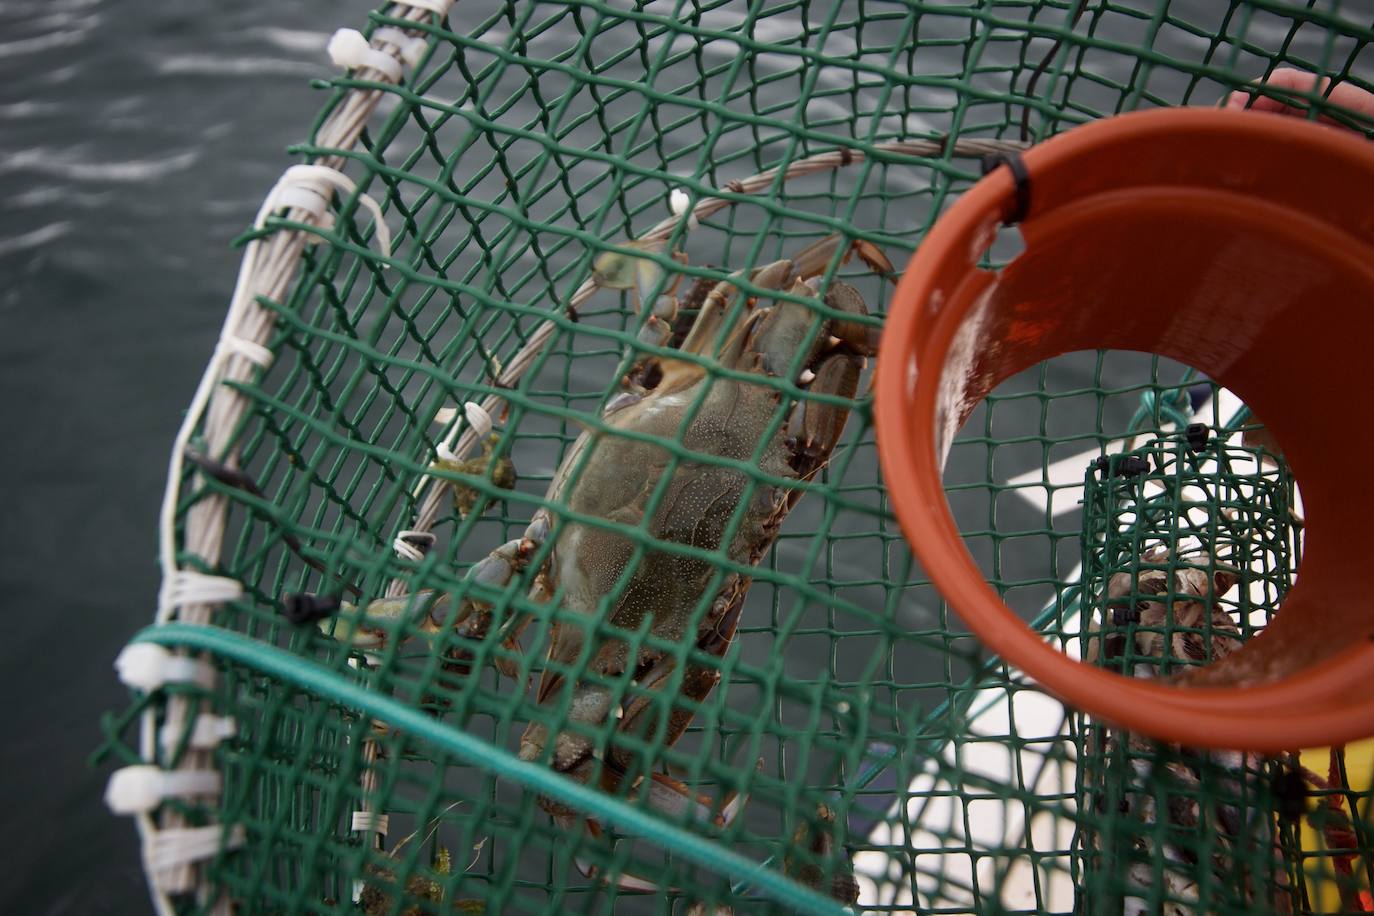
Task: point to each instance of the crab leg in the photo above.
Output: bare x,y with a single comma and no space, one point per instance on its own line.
812,260
431,611
701,339
658,327
496,570
640,275
671,797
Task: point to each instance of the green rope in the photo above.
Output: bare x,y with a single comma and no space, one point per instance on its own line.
331,685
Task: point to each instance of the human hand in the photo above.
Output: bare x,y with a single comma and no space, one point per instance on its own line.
1353,98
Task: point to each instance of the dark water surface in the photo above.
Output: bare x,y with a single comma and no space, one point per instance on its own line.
136,140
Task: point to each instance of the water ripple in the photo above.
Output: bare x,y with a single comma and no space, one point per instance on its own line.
59,164
28,109
35,239
306,42
221,65
56,29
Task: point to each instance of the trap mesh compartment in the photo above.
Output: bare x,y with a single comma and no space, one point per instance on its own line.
468,277
1189,543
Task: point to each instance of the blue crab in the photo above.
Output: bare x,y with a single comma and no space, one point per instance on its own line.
678,598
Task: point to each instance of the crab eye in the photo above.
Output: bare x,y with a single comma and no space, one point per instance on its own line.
653,375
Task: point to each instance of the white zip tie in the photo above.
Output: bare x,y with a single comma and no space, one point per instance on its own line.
317,179
310,198
255,353
206,734
349,48
680,202
186,586
141,788
146,666
412,47
439,8
403,546
168,849
479,421
308,192
370,821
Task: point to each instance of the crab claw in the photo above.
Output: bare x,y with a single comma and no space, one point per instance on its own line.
874,257
676,799
620,269
624,881
367,628
671,797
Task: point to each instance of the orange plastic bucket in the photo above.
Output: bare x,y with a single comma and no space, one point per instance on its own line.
1239,243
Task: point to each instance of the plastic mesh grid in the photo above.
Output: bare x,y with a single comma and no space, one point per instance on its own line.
854,712
1189,543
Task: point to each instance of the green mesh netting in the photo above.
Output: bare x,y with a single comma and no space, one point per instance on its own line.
830,731
1188,545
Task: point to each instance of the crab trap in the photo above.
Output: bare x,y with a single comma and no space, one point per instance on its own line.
525,547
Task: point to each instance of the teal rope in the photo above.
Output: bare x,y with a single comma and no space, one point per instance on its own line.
330,685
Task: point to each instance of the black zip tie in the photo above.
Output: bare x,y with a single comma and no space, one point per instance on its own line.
1197,434
1125,614
302,608
1019,175
1123,466
238,480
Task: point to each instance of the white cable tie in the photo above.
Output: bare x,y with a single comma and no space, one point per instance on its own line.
318,179
439,8
252,351
412,47
348,48
168,849
404,545
206,734
478,419
147,666
140,788
186,586
308,197
680,202
313,199
407,551
370,822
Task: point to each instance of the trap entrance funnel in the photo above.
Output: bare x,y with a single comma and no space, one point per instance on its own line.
1239,243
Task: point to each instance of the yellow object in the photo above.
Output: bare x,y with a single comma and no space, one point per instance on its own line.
1319,870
